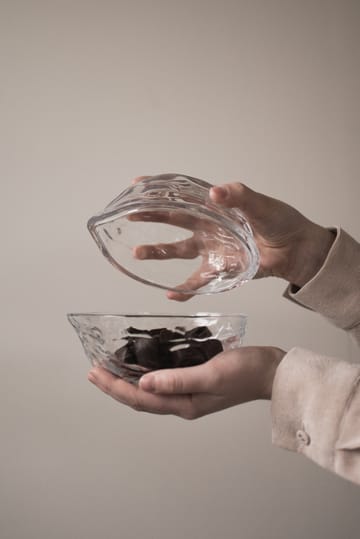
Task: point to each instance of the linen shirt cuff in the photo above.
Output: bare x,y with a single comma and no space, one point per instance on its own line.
309,401
334,291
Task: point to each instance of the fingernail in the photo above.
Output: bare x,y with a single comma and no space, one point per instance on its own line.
139,253
220,191
92,375
147,382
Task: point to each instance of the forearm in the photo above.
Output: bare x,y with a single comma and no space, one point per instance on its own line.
316,399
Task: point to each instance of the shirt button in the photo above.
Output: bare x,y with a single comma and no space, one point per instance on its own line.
303,437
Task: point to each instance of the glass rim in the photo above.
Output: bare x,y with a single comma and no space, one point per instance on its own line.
94,314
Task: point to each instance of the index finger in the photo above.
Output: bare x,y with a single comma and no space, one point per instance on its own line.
136,398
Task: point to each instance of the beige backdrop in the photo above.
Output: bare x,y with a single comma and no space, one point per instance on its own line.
93,94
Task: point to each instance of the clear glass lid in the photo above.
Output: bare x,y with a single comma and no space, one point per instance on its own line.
165,231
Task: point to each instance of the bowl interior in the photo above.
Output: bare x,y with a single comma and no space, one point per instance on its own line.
131,344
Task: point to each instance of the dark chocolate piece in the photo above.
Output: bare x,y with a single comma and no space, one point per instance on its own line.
196,353
162,348
200,332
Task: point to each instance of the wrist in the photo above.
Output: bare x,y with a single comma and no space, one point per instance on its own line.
310,255
273,357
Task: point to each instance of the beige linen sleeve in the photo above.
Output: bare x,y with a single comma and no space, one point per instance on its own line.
334,291
316,399
316,410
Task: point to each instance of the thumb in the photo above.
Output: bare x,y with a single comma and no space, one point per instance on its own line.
183,380
237,195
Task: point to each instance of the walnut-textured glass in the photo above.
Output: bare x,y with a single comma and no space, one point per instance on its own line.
102,335
166,232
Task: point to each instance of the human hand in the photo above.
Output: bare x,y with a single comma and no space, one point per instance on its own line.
228,379
206,240
290,245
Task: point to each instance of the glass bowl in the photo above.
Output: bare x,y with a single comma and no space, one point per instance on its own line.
129,345
166,232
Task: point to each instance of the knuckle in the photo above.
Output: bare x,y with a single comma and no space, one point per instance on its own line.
240,192
240,188
106,388
176,384
170,383
216,376
189,413
189,416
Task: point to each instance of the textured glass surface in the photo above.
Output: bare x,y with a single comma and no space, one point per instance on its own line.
102,335
166,232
